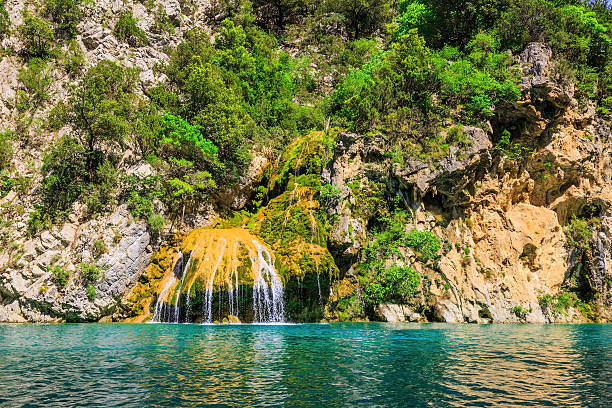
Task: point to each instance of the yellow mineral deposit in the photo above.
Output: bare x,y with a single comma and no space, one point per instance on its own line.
220,260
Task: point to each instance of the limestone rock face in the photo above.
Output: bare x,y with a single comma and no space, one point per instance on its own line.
30,292
394,313
502,231
115,243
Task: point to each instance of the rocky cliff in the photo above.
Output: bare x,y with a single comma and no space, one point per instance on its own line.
502,217
520,207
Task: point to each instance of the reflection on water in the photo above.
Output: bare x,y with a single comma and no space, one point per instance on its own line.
305,365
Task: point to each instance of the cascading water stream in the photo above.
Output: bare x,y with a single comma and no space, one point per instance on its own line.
177,306
314,228
208,297
222,265
161,305
268,293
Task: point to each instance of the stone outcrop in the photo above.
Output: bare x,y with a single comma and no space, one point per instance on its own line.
30,292
501,218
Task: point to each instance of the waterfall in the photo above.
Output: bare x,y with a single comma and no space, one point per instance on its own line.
161,304
208,296
177,306
268,302
222,263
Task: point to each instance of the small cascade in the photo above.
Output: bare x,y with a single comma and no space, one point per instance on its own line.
208,296
268,303
177,306
314,229
162,307
218,267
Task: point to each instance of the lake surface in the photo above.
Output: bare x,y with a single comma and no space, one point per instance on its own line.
310,365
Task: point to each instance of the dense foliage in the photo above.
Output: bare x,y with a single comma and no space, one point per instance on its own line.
414,70
37,36
384,280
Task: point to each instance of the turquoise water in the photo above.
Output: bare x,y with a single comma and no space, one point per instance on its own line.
311,365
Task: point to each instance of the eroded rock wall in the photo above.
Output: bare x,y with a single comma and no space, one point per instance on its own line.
500,216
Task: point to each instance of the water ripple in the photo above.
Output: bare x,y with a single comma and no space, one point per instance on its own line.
369,365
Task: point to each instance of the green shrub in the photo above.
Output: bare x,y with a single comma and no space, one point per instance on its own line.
39,221
37,37
126,29
509,149
36,82
521,312
578,232
60,275
103,189
101,109
99,248
57,117
65,13
6,150
393,284
328,193
140,194
425,243
64,174
5,21
361,17
177,140
90,273
560,303
74,59
156,223
91,291
162,24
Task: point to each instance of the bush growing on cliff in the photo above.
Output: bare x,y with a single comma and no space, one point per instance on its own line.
65,13
60,275
64,173
521,311
101,110
74,59
91,291
393,284
579,233
37,37
425,243
126,29
5,21
90,273
6,150
36,81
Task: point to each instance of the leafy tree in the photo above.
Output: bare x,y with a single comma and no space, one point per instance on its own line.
362,17
65,13
37,37
64,174
101,109
126,29
233,91
275,14
393,284
179,140
448,22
